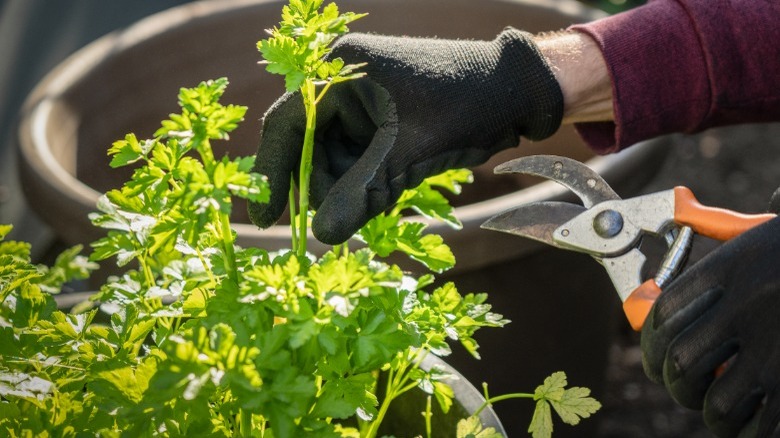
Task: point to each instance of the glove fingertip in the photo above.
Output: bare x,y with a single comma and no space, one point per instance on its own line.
267,214
331,230
334,226
341,214
263,215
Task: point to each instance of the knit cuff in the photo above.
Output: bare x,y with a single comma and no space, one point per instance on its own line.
659,75
531,73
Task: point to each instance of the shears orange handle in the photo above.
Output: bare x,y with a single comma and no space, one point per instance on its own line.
717,223
611,229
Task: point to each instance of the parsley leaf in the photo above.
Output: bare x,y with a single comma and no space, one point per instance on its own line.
429,202
571,404
296,48
471,427
385,234
4,230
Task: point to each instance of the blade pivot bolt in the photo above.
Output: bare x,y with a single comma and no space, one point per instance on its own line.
608,223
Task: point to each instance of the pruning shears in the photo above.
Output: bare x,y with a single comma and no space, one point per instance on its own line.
610,229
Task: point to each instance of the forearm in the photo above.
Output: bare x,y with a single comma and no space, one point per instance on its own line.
684,66
582,74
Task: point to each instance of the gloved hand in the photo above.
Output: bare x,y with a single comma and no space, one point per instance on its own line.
425,105
724,309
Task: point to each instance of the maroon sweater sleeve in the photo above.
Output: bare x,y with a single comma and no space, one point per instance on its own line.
687,65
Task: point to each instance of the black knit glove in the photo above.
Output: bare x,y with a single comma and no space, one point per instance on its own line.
724,309
426,105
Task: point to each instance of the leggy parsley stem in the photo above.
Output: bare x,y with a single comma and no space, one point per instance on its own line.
293,225
396,386
246,423
309,94
203,147
499,398
229,255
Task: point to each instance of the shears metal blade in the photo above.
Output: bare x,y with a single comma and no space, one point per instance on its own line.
580,179
611,229
537,221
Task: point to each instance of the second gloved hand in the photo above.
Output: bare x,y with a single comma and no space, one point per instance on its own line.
424,106
724,309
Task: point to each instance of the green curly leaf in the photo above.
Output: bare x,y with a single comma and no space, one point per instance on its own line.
4,230
471,427
571,404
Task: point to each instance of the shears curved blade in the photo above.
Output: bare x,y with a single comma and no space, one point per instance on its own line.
611,229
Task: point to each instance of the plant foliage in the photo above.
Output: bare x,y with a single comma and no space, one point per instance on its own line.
202,335
571,404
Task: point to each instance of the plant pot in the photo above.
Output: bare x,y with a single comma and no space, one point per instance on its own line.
405,418
562,305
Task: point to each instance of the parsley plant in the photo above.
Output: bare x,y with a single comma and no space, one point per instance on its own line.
295,50
202,336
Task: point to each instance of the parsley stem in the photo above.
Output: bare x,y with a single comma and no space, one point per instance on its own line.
228,254
397,384
293,233
147,270
428,414
318,381
263,423
499,398
374,427
322,93
246,423
308,91
39,364
205,265
203,146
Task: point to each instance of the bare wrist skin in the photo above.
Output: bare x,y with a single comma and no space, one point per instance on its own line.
582,74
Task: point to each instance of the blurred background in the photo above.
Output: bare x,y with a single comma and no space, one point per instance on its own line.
35,36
